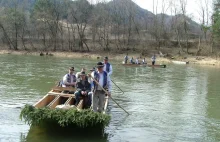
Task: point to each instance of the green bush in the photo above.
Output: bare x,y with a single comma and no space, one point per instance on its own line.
64,118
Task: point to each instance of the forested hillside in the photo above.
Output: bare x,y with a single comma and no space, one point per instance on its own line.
80,26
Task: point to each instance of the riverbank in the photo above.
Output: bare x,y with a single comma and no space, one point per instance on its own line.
200,60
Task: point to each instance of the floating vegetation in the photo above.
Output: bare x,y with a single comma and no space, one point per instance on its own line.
64,118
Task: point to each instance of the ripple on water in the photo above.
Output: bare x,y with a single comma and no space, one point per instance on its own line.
10,125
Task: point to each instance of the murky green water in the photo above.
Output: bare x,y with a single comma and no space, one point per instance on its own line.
178,103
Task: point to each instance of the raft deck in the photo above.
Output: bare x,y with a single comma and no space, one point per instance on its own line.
57,99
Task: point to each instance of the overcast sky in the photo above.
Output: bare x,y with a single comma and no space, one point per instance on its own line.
148,4
193,7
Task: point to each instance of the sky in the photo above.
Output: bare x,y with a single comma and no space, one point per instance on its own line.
148,4
193,7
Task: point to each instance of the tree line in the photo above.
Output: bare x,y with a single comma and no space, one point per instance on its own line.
66,25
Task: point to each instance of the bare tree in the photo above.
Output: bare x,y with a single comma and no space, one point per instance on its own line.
159,31
102,24
205,17
80,12
183,4
177,23
6,36
48,14
12,23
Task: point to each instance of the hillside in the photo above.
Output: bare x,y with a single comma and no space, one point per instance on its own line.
67,25
27,4
145,17
120,8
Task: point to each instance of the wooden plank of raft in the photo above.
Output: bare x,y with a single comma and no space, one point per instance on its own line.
61,94
58,88
55,102
44,101
69,101
80,105
55,98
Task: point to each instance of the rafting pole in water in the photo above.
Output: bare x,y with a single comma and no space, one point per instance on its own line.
117,86
109,96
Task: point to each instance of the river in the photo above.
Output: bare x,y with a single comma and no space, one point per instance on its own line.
179,103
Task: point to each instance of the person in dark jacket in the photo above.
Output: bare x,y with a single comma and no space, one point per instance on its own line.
126,59
83,88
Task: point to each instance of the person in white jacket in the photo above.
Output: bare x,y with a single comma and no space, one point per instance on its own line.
102,78
69,80
107,66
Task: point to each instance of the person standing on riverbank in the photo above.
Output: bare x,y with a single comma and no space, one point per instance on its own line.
153,59
107,66
69,80
102,78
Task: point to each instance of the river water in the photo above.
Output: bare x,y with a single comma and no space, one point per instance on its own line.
178,103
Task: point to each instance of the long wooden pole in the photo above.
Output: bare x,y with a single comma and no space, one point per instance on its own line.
117,86
109,95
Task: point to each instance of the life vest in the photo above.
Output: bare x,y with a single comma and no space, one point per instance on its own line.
96,77
107,67
69,78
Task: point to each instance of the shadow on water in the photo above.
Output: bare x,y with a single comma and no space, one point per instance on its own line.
58,134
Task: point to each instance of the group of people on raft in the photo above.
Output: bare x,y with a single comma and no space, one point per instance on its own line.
90,86
132,61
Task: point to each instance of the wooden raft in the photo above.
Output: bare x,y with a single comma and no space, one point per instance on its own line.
56,97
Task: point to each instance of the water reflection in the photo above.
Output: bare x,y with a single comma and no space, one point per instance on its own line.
57,134
213,123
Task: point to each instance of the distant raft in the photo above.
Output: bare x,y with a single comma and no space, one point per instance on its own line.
135,65
181,62
159,66
144,65
56,108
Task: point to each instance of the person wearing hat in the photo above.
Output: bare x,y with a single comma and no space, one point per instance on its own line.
69,79
144,61
132,60
107,66
104,80
91,70
126,59
153,59
77,74
137,61
83,88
